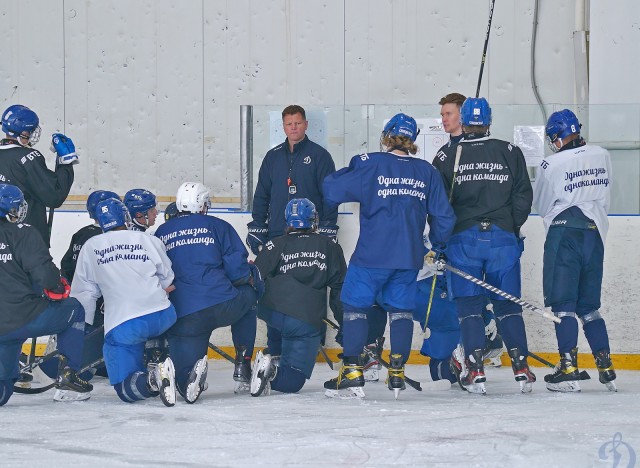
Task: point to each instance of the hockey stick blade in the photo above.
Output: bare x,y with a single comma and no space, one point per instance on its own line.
324,355
36,390
221,353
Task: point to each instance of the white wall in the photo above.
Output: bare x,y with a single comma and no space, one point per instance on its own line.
150,89
620,293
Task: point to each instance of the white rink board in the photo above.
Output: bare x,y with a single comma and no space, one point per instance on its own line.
621,286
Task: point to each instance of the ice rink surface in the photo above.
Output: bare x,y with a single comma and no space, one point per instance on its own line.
446,428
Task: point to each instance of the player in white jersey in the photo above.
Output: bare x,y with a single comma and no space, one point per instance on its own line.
132,272
572,195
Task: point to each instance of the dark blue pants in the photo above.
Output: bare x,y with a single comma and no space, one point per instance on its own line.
189,337
64,318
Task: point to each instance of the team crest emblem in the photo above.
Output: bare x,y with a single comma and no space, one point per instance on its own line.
307,160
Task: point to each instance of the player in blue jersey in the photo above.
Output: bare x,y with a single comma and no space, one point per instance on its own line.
396,193
214,288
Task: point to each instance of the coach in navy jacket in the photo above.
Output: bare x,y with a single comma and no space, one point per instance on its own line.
294,169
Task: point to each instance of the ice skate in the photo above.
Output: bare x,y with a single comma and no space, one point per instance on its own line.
473,381
395,379
70,395
371,365
606,373
521,371
197,382
242,370
162,379
264,371
68,379
457,364
349,382
566,375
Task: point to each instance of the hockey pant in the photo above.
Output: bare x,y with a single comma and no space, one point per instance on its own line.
124,352
64,318
189,337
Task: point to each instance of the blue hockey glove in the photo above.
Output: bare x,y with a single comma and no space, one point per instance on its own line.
330,230
256,280
65,149
257,236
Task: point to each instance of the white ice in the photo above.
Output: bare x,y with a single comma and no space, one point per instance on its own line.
447,428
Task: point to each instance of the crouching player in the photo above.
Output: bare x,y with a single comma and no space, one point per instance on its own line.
215,287
26,265
297,267
132,272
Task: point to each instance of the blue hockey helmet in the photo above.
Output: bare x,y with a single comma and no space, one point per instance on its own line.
96,197
301,214
171,211
139,201
12,203
18,119
475,112
401,125
560,125
111,213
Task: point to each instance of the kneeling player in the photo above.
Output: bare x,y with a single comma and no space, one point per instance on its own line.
23,312
215,287
297,267
133,274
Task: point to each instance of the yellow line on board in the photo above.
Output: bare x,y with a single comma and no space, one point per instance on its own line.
585,360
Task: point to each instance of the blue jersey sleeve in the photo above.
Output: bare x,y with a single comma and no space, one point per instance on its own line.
234,254
441,216
344,185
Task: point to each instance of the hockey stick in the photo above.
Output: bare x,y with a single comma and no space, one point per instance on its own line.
484,51
324,355
221,353
412,383
35,391
499,292
584,375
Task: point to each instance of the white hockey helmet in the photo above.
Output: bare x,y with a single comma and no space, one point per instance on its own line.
193,197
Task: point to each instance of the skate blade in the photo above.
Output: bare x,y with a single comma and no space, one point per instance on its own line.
526,387
242,387
611,386
476,388
167,393
396,392
571,386
70,395
349,393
